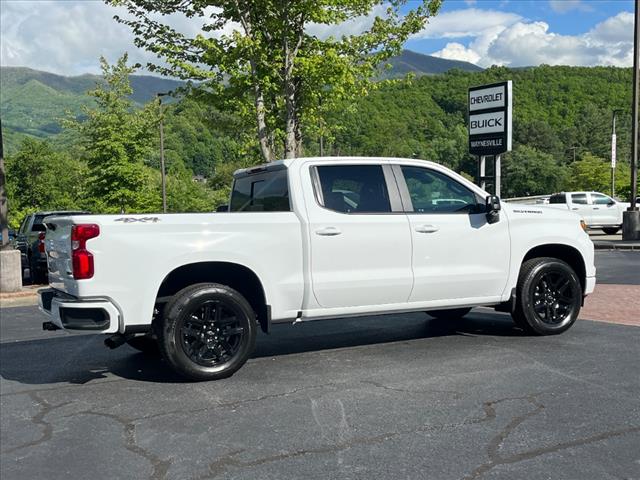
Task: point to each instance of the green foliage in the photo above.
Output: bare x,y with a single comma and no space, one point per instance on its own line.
269,70
40,178
557,111
528,171
594,173
116,140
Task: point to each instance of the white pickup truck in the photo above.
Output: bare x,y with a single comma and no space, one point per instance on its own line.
309,239
596,209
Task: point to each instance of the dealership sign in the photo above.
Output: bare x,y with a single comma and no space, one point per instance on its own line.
490,112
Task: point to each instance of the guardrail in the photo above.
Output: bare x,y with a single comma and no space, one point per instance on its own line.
532,200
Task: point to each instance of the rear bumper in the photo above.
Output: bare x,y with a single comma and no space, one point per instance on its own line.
79,315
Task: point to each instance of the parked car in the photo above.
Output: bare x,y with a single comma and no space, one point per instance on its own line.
310,239
11,236
30,241
597,209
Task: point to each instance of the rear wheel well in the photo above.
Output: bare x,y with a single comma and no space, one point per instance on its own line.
562,252
236,276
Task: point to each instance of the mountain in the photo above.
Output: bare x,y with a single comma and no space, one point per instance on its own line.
33,102
419,64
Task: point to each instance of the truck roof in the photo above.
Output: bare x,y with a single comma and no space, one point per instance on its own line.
287,162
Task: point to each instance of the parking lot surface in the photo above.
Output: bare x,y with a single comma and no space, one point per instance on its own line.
402,396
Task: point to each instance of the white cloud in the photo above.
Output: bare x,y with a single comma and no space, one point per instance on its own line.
457,51
524,43
68,37
469,22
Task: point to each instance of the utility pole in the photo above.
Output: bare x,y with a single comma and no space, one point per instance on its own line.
631,218
613,153
162,171
4,210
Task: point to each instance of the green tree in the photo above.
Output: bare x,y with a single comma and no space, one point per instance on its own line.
117,139
594,173
270,67
40,178
527,171
183,193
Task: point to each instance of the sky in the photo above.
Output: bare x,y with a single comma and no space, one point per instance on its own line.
68,36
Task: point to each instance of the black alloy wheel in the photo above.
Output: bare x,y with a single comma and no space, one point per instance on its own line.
548,296
553,297
211,334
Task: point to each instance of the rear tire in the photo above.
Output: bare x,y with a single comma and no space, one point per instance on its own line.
208,331
451,313
548,297
611,230
37,275
145,344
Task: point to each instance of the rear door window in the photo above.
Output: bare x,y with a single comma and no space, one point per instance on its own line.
579,198
353,188
38,226
266,191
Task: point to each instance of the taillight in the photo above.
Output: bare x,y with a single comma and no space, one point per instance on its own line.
41,236
82,259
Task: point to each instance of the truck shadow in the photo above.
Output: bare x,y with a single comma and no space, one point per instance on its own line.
84,359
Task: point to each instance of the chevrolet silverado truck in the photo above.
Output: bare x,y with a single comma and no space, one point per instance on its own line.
311,239
596,209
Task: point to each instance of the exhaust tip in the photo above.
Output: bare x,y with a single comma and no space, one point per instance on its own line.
115,341
50,326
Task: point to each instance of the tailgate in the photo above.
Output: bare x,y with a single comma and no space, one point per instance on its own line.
58,248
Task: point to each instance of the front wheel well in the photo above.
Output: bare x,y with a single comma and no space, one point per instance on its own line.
562,252
236,276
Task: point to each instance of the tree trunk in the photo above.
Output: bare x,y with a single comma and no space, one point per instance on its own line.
292,139
263,131
266,146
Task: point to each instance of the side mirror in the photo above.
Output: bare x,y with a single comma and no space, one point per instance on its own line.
611,203
493,209
222,208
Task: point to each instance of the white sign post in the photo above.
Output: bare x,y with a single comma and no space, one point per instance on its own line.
613,164
490,114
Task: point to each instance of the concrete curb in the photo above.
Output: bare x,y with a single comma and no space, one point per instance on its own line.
24,301
25,297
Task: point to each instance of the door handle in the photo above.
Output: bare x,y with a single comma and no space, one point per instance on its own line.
596,208
427,228
328,231
574,208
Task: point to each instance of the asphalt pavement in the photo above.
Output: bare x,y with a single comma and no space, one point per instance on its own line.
401,396
618,267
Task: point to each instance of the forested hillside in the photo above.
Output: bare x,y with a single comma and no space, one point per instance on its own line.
560,113
562,128
33,102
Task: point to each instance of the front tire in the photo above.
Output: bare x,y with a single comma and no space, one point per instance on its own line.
208,332
548,296
611,230
451,313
